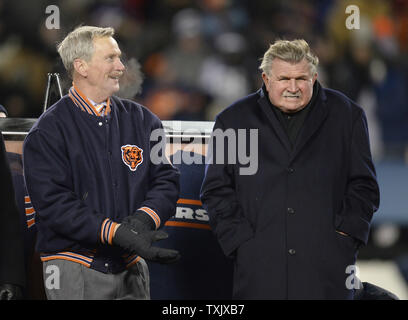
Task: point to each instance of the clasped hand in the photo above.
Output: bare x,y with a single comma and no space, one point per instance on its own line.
140,241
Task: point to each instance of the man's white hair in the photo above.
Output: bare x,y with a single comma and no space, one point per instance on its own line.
79,44
290,51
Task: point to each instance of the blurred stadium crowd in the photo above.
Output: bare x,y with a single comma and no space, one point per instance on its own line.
198,56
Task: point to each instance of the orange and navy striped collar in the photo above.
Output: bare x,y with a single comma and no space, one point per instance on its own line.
82,102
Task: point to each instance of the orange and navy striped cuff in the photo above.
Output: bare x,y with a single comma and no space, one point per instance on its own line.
152,215
29,211
108,230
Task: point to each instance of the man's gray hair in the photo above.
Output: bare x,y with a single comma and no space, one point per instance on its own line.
79,44
290,51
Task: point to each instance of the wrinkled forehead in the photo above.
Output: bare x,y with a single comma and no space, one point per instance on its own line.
282,68
105,44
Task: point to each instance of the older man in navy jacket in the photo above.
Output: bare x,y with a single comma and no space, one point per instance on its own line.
98,196
294,227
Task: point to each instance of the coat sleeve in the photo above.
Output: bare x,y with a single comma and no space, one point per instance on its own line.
164,186
362,196
12,268
219,197
49,183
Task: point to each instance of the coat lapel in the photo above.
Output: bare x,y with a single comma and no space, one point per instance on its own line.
312,123
277,127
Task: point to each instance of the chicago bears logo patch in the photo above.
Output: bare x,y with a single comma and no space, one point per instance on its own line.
132,156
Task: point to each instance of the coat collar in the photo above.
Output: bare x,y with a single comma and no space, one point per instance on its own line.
270,115
312,123
82,102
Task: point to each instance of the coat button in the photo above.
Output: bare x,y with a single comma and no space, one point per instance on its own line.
291,170
292,252
291,210
100,124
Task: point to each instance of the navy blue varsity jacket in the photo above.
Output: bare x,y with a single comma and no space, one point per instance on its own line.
85,172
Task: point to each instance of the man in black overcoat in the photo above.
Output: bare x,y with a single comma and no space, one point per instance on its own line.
294,213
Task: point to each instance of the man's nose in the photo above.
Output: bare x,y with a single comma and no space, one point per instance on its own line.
119,65
292,86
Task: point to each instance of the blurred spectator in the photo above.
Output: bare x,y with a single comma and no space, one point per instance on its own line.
222,16
181,60
223,74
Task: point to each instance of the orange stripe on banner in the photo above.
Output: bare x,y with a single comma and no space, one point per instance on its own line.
187,225
190,201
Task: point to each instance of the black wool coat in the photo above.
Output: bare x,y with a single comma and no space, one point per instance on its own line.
280,223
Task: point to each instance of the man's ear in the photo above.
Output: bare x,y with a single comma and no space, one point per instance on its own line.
265,78
81,67
314,78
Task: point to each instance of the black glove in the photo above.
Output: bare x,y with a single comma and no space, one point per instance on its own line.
140,221
10,292
140,243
